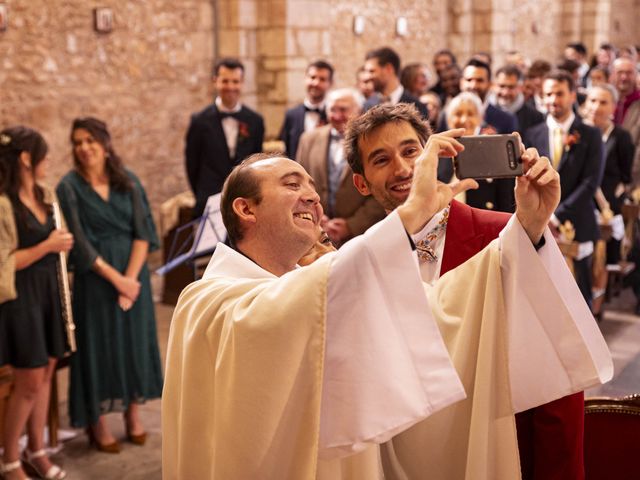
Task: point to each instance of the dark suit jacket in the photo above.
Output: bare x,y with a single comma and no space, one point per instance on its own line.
293,128
528,117
580,170
491,195
619,152
359,212
406,97
503,122
549,436
207,155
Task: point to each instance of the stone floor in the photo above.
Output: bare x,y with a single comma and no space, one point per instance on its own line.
621,329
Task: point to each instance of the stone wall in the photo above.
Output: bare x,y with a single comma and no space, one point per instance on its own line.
144,78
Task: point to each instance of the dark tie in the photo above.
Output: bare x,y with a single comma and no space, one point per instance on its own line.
224,115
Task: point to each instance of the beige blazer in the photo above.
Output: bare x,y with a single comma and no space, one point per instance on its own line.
359,212
9,244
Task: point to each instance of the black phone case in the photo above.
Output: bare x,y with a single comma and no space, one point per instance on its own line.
488,156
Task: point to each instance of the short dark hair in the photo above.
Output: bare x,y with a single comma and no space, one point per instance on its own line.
539,68
227,62
385,56
447,52
474,62
568,65
322,65
578,47
561,76
374,118
242,182
510,70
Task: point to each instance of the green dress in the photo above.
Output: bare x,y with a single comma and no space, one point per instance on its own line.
117,361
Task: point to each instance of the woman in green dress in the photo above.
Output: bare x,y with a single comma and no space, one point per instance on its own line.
117,365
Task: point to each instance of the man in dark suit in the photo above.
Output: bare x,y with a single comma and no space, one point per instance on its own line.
549,436
476,78
311,112
222,135
441,61
321,153
577,153
508,97
383,67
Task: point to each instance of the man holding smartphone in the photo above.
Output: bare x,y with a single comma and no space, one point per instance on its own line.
381,147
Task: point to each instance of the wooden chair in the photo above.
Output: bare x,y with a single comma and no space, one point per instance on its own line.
612,438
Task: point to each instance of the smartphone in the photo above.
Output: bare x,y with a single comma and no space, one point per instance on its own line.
488,156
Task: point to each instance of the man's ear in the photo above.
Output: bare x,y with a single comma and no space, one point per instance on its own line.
244,209
361,184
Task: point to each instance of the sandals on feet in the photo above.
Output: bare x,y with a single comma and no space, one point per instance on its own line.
54,472
9,467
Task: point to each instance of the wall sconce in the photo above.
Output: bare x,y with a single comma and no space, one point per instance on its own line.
4,20
358,25
103,20
402,27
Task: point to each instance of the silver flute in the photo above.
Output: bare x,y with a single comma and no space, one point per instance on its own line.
63,283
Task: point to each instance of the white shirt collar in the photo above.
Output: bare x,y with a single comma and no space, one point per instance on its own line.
607,133
552,123
220,106
396,94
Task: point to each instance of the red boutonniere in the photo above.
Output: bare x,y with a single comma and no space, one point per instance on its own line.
488,130
573,138
243,131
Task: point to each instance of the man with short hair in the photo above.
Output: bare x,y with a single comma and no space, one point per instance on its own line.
577,52
532,87
382,147
321,153
508,96
627,114
383,67
577,153
441,60
476,78
311,112
222,135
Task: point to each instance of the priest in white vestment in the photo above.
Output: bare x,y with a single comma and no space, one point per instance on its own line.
273,371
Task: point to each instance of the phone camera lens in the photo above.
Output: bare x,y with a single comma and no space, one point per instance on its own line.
511,155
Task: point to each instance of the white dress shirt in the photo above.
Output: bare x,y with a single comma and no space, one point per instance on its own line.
230,126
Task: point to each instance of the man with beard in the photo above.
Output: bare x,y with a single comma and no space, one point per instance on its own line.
381,147
508,96
311,112
383,67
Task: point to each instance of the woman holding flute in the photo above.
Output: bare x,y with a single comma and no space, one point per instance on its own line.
32,336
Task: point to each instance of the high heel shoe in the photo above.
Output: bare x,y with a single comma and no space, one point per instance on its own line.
54,472
136,439
113,447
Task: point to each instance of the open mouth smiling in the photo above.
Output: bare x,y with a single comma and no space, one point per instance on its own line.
305,216
402,187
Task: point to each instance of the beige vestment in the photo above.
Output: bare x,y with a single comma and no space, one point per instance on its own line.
247,366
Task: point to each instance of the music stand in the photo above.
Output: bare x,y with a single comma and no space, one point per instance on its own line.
206,232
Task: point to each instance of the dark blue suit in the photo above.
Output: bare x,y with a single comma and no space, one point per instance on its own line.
581,169
293,128
207,155
503,122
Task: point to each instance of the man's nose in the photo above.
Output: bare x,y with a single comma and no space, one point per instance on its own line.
310,195
402,166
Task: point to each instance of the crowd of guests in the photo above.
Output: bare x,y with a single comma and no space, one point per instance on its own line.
585,117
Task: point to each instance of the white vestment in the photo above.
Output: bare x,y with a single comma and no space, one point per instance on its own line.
251,355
